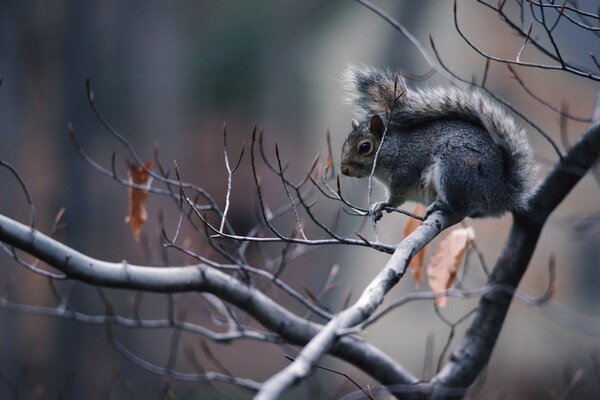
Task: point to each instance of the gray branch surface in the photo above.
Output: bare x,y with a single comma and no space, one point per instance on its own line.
364,307
201,277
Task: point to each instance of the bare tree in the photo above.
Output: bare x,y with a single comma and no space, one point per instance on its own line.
238,278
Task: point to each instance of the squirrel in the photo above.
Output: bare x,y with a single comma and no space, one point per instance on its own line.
450,149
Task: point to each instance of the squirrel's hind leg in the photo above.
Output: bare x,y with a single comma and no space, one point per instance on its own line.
471,181
436,196
438,206
443,189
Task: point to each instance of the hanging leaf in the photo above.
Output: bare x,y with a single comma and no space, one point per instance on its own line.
445,261
136,214
416,263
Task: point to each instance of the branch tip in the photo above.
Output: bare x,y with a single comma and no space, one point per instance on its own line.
432,43
314,163
90,92
240,158
113,159
176,167
364,239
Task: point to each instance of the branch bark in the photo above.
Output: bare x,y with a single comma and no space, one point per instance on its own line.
293,329
364,307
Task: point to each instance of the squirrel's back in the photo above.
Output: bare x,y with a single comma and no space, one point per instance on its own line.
383,93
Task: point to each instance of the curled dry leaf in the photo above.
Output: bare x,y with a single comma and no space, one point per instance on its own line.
446,260
416,263
136,213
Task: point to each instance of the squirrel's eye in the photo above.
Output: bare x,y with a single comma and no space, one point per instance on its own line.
364,147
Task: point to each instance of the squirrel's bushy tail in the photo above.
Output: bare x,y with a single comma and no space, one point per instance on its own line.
373,91
385,93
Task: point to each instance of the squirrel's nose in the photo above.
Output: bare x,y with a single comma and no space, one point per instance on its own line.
345,170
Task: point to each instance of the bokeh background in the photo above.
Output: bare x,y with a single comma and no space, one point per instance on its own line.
171,73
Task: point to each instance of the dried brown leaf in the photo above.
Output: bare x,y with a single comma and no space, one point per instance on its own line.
445,261
136,213
416,263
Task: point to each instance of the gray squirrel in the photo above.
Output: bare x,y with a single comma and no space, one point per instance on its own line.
450,149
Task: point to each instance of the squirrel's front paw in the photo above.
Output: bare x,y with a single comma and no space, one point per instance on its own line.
376,210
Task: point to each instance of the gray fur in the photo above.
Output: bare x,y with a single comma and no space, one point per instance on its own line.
457,148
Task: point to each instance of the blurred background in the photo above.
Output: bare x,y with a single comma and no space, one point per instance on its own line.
170,74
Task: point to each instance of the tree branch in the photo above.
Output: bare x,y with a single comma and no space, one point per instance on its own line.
365,306
204,278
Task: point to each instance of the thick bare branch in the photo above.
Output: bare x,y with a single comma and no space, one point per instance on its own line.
200,277
365,306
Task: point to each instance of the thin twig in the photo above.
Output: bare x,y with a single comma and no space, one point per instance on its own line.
338,373
540,100
19,179
406,33
504,103
287,192
561,67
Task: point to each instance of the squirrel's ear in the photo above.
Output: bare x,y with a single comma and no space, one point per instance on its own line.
376,126
355,124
